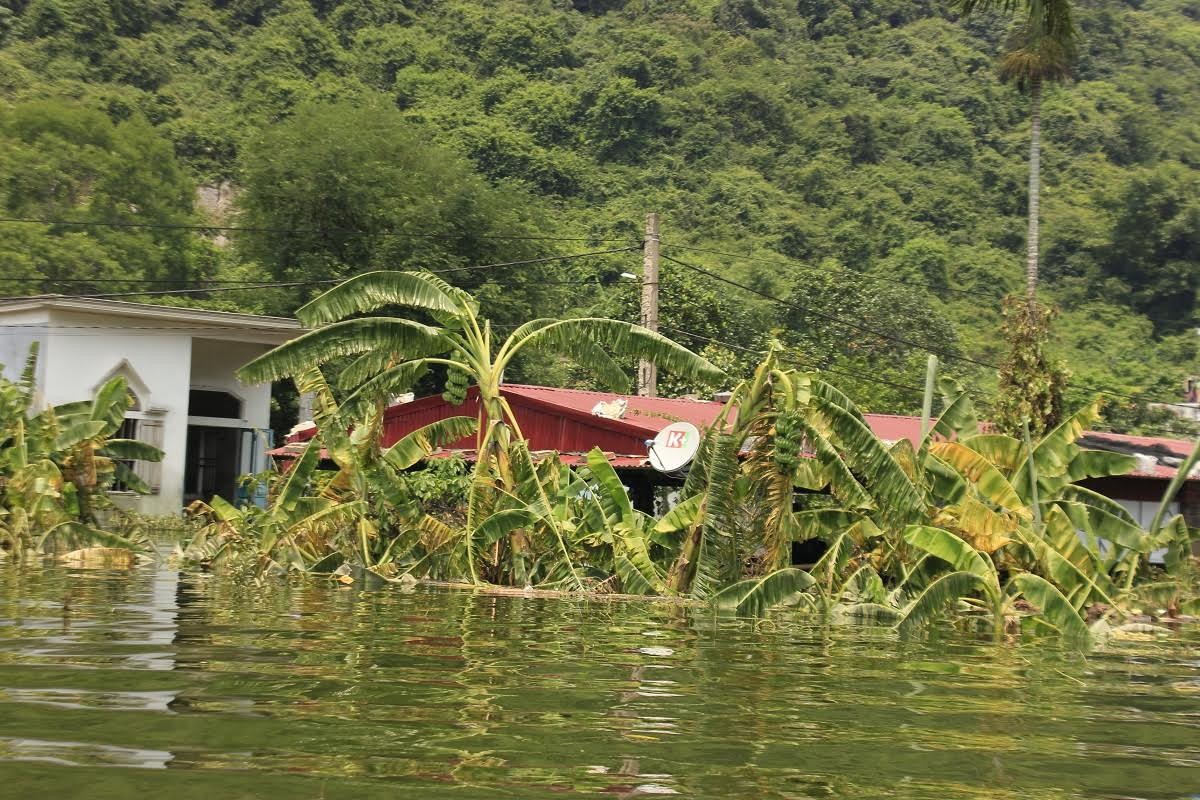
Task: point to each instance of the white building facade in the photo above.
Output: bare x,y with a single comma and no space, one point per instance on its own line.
179,364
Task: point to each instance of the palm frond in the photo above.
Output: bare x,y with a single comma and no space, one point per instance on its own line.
373,290
405,338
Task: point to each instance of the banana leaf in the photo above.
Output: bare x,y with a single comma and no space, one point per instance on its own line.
982,474
424,440
1053,607
756,596
951,549
1004,452
373,290
1054,453
934,598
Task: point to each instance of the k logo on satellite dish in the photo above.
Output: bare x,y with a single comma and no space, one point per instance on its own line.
674,447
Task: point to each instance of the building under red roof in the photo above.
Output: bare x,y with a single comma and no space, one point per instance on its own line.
573,421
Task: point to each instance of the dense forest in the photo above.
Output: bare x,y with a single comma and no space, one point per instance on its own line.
856,168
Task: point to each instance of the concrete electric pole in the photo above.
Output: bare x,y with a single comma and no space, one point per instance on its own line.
647,372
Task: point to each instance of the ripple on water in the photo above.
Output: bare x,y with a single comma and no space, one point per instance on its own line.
195,683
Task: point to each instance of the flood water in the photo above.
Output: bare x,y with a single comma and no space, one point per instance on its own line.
150,682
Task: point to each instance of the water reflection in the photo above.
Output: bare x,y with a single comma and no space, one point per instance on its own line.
316,690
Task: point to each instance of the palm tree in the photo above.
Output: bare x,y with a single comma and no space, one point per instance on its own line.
1041,48
393,352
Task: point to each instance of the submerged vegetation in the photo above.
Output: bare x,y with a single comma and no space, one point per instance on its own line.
993,526
57,465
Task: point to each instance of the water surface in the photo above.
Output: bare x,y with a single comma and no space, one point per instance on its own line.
118,683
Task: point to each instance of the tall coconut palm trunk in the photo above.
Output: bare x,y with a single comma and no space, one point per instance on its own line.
1035,165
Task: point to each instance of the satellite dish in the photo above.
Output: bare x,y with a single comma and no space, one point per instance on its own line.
674,447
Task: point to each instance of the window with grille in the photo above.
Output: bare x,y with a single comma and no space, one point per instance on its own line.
143,430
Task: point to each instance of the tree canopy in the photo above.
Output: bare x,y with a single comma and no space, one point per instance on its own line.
864,157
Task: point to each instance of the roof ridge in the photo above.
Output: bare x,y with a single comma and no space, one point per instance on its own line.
538,387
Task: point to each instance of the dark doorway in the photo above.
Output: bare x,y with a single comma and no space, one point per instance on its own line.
206,403
211,468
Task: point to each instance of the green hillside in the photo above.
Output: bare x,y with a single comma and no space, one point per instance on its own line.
859,161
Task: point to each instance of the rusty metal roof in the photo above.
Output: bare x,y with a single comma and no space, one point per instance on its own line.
562,421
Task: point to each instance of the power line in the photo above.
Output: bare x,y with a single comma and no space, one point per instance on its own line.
916,390
793,362
867,276
824,315
898,339
327,281
346,231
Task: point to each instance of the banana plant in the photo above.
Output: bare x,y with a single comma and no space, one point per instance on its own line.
389,350
57,465
974,582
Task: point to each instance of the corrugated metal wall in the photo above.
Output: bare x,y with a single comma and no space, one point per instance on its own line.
545,428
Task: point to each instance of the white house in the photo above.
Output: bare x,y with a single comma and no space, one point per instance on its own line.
179,364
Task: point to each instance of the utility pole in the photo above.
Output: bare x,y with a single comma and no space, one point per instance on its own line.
647,371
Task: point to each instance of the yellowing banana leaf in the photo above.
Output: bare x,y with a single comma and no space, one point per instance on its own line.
982,474
951,549
1004,452
985,529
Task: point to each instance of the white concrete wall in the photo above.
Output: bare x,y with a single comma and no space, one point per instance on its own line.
18,331
79,359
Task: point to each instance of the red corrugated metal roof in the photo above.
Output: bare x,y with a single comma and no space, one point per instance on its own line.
1179,447
648,414
562,420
